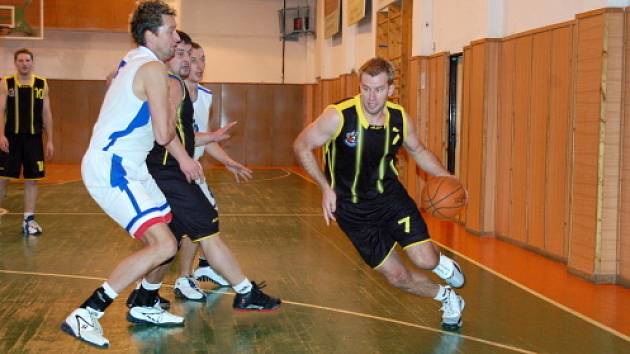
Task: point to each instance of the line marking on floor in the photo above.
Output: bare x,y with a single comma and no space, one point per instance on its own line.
325,308
521,286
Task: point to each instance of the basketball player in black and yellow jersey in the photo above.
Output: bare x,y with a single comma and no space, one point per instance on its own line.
361,136
24,115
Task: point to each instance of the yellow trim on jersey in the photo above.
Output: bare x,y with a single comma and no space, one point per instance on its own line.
416,244
381,166
206,237
357,164
33,106
341,121
393,167
16,91
364,122
384,259
404,116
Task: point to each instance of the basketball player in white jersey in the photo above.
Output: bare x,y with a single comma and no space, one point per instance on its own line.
135,113
185,286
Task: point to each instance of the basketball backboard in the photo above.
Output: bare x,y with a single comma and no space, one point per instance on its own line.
22,19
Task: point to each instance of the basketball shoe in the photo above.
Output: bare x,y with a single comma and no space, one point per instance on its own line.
206,273
164,303
256,300
30,226
83,324
452,307
450,271
188,288
154,315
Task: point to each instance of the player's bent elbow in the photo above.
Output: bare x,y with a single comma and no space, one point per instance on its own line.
163,138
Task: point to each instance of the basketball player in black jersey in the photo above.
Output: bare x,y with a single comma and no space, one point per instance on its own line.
24,115
361,136
194,216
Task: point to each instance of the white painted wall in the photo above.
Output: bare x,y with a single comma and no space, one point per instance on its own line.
241,39
456,23
70,55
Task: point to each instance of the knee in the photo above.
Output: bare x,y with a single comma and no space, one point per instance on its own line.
166,249
426,260
399,278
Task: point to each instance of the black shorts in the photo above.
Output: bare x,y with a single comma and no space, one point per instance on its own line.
374,227
193,214
26,155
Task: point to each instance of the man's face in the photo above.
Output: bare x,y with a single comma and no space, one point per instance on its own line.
180,62
24,64
164,41
374,92
197,64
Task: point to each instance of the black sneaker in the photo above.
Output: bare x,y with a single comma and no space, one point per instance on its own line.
164,303
256,300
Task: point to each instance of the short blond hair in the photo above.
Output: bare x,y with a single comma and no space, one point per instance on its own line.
376,66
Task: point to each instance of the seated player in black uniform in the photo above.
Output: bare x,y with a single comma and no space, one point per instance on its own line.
362,193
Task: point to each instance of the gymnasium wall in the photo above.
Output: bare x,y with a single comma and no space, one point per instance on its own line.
241,40
542,142
269,117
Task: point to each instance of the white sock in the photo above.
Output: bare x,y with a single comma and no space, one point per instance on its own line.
26,215
109,291
149,286
243,287
442,293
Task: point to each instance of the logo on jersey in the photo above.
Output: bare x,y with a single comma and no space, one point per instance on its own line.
11,92
351,139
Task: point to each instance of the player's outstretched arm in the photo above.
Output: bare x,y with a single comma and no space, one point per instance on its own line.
314,136
240,172
204,138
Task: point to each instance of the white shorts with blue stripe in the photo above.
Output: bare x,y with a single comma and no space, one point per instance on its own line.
125,190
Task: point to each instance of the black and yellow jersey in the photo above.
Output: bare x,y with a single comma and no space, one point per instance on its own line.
159,156
25,105
360,159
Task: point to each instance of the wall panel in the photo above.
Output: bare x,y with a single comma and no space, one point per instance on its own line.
537,139
586,134
520,147
624,226
559,143
504,138
269,117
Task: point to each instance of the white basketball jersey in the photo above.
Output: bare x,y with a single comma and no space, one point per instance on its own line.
124,122
202,114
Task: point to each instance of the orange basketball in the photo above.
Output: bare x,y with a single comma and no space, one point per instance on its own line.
443,197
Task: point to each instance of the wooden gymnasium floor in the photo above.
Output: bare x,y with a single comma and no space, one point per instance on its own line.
516,302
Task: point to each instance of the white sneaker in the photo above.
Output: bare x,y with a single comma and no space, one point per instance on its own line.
30,226
452,307
83,324
450,271
154,315
188,288
208,274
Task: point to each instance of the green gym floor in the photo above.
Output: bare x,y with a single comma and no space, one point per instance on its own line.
333,303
